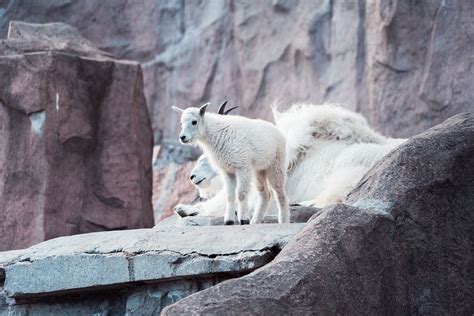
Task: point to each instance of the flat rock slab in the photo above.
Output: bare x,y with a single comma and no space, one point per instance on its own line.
298,214
5,258
98,260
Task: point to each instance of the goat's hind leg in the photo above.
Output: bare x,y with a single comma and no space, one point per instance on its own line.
229,186
264,196
277,179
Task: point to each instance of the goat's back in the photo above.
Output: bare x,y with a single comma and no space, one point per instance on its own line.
248,142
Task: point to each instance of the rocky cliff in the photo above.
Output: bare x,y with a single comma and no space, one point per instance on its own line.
407,65
75,138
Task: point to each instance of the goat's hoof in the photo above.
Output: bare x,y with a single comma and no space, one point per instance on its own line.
229,223
254,221
244,222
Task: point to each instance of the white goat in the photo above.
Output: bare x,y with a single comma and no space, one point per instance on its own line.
328,148
205,178
242,149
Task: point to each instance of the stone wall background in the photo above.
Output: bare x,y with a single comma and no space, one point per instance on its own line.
75,138
407,65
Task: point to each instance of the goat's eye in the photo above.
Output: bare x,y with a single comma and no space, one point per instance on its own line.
194,122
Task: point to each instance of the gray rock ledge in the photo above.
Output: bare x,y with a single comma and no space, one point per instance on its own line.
109,259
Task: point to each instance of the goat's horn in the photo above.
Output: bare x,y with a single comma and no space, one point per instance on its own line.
222,108
226,112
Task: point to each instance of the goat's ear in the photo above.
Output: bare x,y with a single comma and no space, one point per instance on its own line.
180,111
202,109
222,108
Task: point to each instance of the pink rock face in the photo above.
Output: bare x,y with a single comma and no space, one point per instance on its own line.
75,138
171,186
420,67
406,65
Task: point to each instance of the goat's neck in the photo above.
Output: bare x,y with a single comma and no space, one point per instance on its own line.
213,137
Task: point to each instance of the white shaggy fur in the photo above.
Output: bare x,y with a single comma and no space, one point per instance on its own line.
328,149
246,152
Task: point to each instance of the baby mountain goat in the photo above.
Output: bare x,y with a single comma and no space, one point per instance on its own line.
244,150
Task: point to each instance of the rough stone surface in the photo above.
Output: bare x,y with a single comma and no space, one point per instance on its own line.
401,244
31,37
420,67
5,258
103,259
75,138
145,299
405,64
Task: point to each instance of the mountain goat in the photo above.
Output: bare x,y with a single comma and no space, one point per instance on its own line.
242,149
329,149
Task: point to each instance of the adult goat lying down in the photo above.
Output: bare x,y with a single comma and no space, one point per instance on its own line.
328,150
244,151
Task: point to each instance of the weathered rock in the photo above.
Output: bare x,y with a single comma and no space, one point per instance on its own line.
5,258
29,38
137,272
405,64
401,244
419,65
114,258
143,299
75,138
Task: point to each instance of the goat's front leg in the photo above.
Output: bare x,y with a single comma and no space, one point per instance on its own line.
244,178
229,187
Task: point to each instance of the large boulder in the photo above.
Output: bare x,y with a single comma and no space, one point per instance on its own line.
407,65
75,138
402,243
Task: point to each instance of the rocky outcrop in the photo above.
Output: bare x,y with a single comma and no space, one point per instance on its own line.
419,65
400,244
75,138
135,271
405,64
